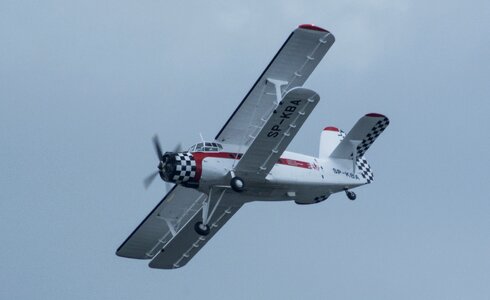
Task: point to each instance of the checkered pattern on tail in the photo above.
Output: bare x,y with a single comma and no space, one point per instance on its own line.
185,167
341,134
377,129
364,169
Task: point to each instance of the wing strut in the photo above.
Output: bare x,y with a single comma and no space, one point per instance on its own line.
277,85
205,206
202,227
170,226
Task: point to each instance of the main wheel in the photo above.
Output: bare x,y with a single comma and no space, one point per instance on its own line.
237,184
351,195
201,228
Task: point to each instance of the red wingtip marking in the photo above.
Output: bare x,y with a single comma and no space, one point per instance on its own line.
331,128
312,27
375,115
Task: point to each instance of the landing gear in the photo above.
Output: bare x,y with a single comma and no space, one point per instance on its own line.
350,195
237,184
201,228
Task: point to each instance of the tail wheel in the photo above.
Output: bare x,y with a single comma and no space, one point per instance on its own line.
201,228
351,195
237,184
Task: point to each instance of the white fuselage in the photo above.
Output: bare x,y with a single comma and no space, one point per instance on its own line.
302,178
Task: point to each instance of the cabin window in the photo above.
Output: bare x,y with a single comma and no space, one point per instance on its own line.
206,147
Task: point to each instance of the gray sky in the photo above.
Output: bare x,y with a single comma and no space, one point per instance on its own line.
84,86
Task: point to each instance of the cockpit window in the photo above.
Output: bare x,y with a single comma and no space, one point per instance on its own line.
206,147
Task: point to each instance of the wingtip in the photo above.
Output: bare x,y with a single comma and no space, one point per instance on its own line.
312,27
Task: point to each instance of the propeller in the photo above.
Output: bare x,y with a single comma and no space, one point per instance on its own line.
148,180
178,148
158,148
162,160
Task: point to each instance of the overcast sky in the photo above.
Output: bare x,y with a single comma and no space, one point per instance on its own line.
84,86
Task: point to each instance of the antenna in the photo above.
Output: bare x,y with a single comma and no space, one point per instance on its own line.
202,139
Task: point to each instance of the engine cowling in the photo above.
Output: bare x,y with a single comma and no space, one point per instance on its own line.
178,167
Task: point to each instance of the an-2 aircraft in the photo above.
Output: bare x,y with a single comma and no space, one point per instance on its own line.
247,160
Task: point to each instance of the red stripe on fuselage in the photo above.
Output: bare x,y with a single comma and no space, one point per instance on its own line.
229,155
199,156
294,163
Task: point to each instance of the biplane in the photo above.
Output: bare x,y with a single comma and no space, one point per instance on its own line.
247,161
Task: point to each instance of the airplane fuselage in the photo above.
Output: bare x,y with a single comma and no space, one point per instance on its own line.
302,178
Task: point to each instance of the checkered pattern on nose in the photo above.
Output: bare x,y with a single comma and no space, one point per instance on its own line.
377,129
185,168
365,169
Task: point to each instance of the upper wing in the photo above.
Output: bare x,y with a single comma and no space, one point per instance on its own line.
292,65
171,214
274,137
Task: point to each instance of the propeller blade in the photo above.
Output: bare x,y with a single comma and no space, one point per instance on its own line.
161,165
158,148
148,180
178,148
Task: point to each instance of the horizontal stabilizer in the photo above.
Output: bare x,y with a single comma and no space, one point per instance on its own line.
361,136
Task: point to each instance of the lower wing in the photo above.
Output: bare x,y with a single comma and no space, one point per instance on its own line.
168,236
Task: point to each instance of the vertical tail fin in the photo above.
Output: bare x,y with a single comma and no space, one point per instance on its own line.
329,140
